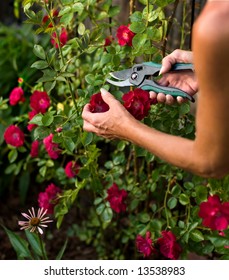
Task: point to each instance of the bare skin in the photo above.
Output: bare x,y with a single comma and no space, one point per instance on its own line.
208,154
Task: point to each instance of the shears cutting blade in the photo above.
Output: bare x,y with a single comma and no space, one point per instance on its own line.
142,76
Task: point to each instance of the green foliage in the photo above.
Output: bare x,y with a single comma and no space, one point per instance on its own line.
160,196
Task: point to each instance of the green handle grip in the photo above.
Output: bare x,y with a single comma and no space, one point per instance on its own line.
176,66
168,90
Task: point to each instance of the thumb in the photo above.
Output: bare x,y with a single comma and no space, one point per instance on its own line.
107,96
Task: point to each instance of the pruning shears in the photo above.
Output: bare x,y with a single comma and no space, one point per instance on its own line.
141,76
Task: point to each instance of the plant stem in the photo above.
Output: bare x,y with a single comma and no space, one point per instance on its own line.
42,246
131,7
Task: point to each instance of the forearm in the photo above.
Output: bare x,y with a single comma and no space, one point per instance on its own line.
178,151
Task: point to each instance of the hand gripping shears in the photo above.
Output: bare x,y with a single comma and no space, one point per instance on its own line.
139,76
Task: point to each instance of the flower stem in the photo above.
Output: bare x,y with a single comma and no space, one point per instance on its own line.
42,247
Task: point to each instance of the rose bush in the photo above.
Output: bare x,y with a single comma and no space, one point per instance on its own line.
150,208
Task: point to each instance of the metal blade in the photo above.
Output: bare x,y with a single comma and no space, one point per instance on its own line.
125,83
122,75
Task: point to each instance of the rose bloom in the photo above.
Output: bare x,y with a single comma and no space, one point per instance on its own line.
31,126
117,198
71,169
97,105
16,96
137,102
215,214
49,198
144,245
34,149
169,246
124,35
51,147
14,136
63,38
39,101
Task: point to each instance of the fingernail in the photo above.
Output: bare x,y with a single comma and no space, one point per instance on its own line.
103,90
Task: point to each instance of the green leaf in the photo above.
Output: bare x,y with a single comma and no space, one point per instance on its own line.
137,27
12,155
184,108
196,235
20,245
69,144
81,28
40,64
184,199
86,138
34,242
144,218
139,41
90,79
67,18
62,250
47,118
39,51
172,202
49,86
37,119
100,208
107,215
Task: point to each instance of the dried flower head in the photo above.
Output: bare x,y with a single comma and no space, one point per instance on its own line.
35,222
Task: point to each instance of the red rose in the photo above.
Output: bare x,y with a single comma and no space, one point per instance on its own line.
39,101
14,136
34,149
63,38
124,35
137,102
169,246
51,147
215,214
49,198
97,105
144,245
117,198
16,96
31,126
71,169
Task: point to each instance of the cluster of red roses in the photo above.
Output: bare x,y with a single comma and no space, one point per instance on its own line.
14,136
215,214
167,244
136,101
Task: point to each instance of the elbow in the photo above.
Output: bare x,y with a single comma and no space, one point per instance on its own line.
214,169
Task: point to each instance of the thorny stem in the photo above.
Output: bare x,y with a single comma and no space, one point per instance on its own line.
170,23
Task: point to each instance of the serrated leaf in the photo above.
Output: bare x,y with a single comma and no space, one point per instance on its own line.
107,215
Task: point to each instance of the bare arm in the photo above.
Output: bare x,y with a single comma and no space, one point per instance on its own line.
208,154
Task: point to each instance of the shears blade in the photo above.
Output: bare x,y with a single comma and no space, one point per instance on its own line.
125,83
121,75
